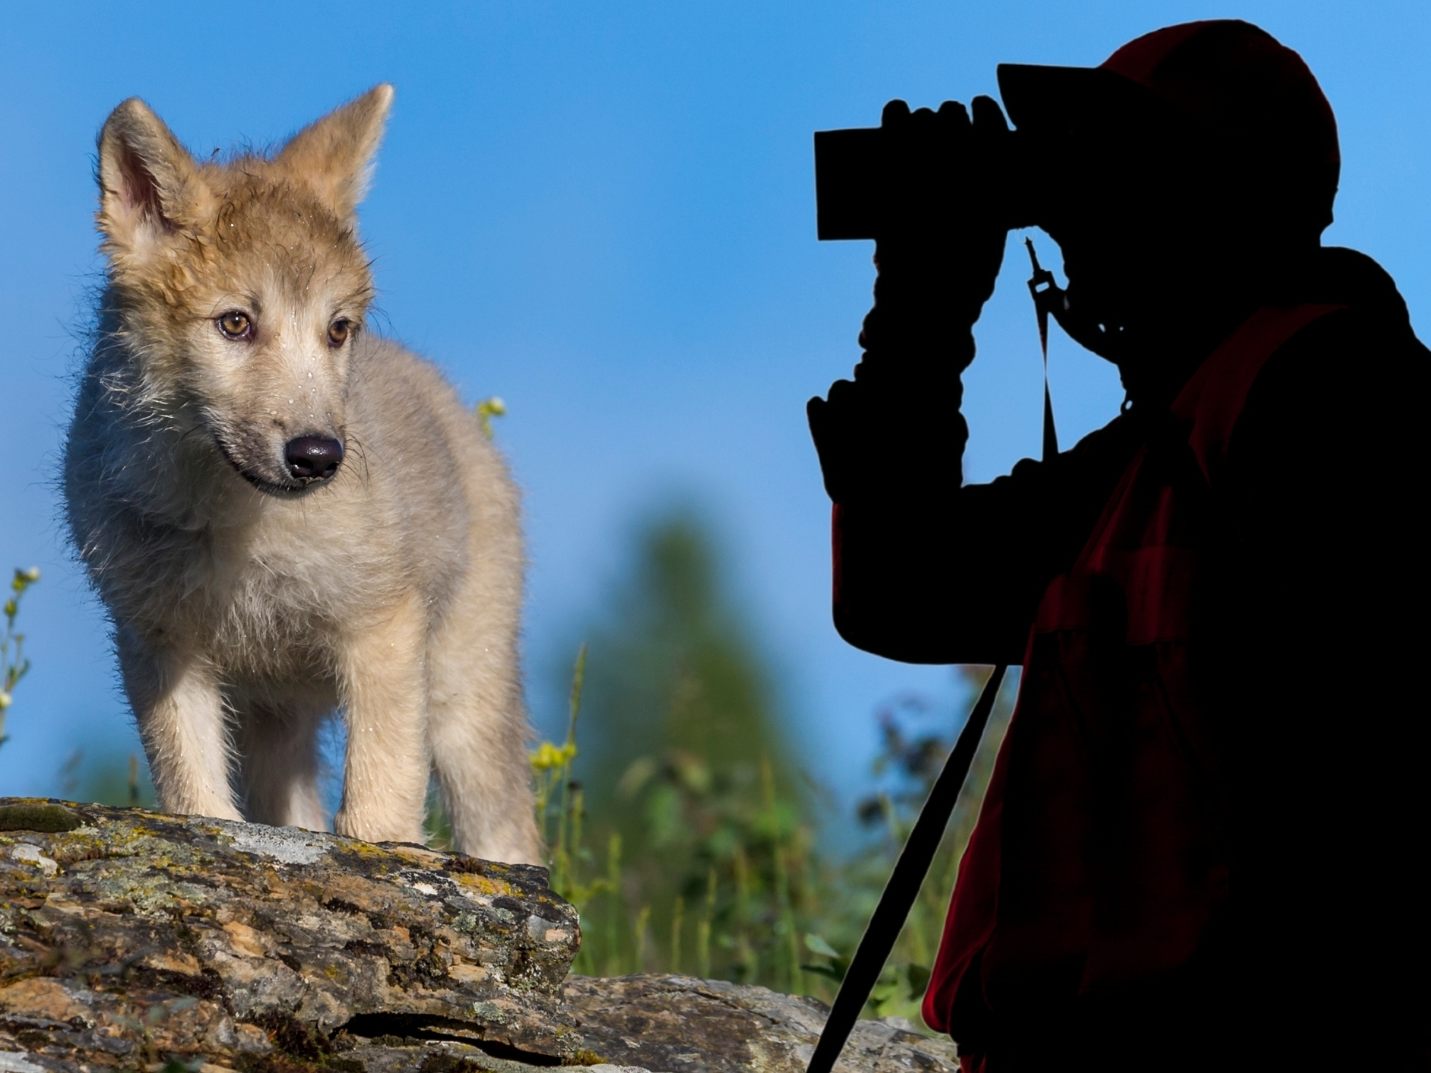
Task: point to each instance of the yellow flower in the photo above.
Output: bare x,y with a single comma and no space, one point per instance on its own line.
549,756
487,409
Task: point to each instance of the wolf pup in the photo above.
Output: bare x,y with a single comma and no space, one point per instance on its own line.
286,515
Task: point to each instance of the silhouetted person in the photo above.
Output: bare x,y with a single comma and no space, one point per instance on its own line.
1203,840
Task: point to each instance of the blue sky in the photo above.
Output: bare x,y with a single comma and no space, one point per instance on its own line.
604,213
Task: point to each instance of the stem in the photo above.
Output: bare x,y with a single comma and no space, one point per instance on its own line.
643,925
782,880
678,924
613,913
742,913
703,929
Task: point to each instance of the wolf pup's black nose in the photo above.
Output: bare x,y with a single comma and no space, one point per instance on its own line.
312,458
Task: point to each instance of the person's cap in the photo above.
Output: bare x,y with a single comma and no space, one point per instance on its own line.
1232,82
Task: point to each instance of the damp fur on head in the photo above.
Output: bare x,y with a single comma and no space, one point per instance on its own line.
182,235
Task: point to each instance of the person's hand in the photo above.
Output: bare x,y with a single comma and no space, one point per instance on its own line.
944,230
894,429
884,437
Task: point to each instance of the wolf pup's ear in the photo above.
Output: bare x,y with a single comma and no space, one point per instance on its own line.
334,155
149,185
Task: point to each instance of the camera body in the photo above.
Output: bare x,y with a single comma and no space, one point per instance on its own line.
854,189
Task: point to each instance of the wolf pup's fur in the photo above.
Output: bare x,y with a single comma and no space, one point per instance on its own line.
285,515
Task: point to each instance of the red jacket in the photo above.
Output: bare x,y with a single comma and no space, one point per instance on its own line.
1100,859
1208,815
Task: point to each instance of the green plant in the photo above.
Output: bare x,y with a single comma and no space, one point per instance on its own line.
915,740
731,882
13,664
561,809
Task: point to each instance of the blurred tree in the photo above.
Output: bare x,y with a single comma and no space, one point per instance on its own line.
673,663
692,800
685,838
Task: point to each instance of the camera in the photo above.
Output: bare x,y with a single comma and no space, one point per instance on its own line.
854,193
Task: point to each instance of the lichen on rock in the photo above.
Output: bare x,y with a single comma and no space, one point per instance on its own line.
128,933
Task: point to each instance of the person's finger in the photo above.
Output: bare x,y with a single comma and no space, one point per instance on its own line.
988,115
815,415
894,112
953,113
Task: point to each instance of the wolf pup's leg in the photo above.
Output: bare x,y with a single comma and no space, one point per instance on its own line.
476,719
279,753
383,679
180,708
479,729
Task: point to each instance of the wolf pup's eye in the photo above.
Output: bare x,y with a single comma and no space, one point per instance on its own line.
339,332
234,325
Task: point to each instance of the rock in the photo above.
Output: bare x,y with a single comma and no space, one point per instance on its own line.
130,936
132,940
679,1024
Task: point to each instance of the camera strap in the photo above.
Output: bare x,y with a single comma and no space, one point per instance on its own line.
923,843
903,884
1045,292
